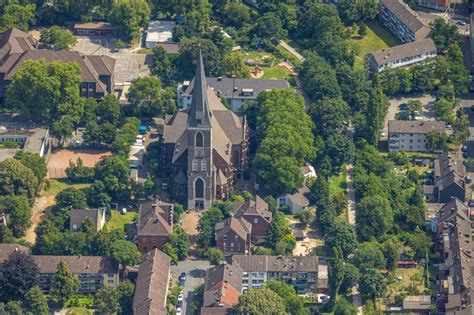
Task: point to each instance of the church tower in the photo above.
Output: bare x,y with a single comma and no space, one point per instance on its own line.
199,132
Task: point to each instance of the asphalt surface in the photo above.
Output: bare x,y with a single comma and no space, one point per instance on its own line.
466,102
195,272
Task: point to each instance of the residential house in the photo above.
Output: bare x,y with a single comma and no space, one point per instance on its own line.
235,91
308,172
307,274
454,234
77,217
255,212
29,137
233,236
159,32
205,148
402,21
411,136
155,225
93,29
448,180
438,5
7,249
402,55
295,202
17,47
93,272
152,285
222,289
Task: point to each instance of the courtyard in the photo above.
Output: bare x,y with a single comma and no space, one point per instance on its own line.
59,160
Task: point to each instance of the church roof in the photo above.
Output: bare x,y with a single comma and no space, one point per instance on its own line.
199,113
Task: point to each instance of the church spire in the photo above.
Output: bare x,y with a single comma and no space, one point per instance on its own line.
199,113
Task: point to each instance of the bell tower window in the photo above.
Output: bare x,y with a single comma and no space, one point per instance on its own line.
199,188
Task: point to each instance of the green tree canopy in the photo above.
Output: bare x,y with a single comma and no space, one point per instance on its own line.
113,172
17,179
107,300
65,284
35,301
372,284
341,235
16,15
236,14
374,217
368,255
261,301
34,162
18,274
58,38
128,16
148,98
293,302
19,211
124,253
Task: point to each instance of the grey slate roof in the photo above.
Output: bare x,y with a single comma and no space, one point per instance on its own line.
241,227
411,126
77,264
407,50
77,217
155,219
199,113
404,14
277,263
152,284
7,249
224,87
256,206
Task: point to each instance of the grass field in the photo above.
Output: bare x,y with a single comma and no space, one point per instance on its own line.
377,38
57,185
337,184
120,221
289,56
276,72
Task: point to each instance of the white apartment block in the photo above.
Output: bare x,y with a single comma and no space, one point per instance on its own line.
411,136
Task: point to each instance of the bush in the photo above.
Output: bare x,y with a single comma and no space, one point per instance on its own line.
78,173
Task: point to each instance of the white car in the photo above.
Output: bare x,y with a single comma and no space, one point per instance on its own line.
180,297
178,311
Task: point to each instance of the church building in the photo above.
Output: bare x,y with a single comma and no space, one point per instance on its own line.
204,148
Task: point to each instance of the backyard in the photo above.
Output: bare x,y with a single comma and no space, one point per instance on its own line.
377,38
121,221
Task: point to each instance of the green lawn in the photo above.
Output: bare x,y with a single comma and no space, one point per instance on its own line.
57,185
377,38
276,72
120,221
289,56
337,184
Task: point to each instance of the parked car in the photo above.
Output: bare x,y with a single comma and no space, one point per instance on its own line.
402,106
465,155
182,279
464,148
468,179
472,108
462,23
178,310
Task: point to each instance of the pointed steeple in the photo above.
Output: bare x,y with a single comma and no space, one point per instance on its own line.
199,113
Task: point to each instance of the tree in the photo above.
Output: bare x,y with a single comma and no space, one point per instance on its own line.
189,52
260,301
18,16
374,217
113,172
336,272
34,162
319,79
391,251
306,217
58,38
161,65
126,290
269,26
169,250
352,11
106,300
128,16
340,149
17,179
351,278
280,236
147,97
18,274
214,255
344,307
206,226
13,307
197,21
330,115
293,302
233,65
362,30
180,241
125,253
53,94
19,212
372,284
69,198
437,141
341,235
236,14
35,301
445,34
368,255
65,284
78,173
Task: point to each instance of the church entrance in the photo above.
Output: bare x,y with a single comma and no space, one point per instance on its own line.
199,205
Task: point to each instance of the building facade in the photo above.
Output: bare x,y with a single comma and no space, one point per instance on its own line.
93,29
402,21
448,180
438,5
78,216
411,136
154,226
93,272
256,213
402,55
204,148
233,236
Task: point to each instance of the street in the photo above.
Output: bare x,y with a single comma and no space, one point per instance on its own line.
195,272
467,101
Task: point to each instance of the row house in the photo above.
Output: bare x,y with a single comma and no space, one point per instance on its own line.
448,180
154,225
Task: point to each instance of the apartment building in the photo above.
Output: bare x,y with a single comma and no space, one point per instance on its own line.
307,274
402,55
402,21
154,226
152,284
448,180
235,91
93,272
411,136
438,5
454,242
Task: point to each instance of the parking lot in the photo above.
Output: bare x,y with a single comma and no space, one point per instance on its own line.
129,65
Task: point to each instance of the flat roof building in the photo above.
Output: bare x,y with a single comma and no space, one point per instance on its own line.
93,28
159,32
402,55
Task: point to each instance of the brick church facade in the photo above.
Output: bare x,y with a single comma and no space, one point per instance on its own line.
204,147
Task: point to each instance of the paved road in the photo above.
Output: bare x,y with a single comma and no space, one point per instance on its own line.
292,51
350,196
195,271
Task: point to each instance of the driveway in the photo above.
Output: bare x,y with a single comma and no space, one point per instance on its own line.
426,99
195,272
